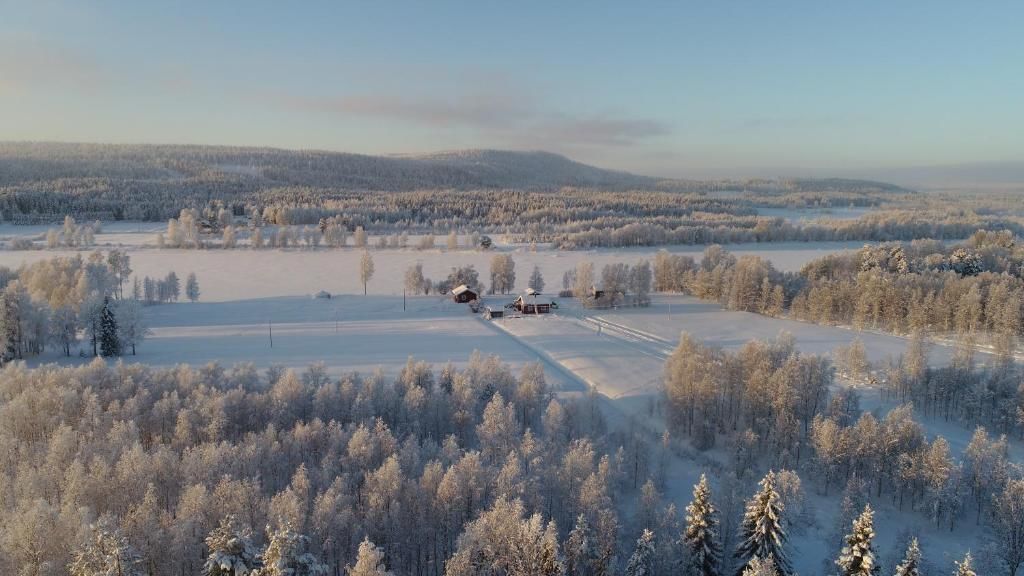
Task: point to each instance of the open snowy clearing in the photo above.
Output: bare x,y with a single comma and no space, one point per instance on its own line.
348,333
242,273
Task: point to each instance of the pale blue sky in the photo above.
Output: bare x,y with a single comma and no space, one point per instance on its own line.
668,88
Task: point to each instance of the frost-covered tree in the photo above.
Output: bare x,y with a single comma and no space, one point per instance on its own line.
583,282
414,280
858,556
287,554
704,554
453,241
231,550
369,561
229,240
761,532
1008,524
359,237
192,287
502,541
964,567
911,564
131,324
641,563
365,269
503,274
536,280
760,567
578,548
173,285
107,553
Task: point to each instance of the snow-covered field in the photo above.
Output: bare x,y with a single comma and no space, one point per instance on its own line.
250,295
226,275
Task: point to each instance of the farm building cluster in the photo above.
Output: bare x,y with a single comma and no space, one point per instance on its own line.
528,303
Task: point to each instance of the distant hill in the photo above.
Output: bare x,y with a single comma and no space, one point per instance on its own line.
23,163
465,169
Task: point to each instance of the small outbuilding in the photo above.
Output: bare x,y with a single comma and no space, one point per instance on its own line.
323,294
491,314
463,294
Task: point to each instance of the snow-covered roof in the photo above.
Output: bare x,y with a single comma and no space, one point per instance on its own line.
460,289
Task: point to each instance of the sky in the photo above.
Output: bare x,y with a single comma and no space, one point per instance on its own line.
677,89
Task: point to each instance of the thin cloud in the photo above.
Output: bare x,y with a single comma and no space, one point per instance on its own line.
507,117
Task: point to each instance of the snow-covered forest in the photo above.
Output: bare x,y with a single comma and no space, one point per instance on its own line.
826,382
535,196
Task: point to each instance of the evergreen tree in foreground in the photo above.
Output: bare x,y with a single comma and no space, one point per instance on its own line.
911,565
107,553
286,555
965,567
642,561
759,567
858,556
761,532
110,344
232,552
577,548
701,535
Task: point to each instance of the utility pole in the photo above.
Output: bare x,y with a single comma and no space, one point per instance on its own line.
270,331
403,299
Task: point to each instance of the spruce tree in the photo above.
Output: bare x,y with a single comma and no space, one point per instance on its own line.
701,535
287,555
965,567
858,556
641,563
110,344
107,552
231,550
911,565
761,532
577,548
759,567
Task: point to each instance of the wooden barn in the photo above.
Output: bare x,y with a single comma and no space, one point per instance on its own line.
528,304
462,294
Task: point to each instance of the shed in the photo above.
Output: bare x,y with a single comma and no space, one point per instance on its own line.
491,314
462,294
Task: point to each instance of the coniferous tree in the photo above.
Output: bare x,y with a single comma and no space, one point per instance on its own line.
110,343
641,563
701,535
107,553
232,552
760,567
965,567
761,532
858,556
911,564
536,279
287,555
577,548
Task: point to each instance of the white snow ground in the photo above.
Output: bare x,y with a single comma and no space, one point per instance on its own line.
620,352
